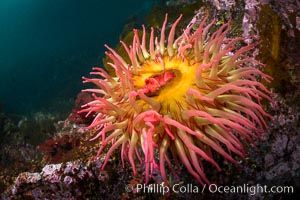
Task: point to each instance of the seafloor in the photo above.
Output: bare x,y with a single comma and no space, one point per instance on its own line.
43,158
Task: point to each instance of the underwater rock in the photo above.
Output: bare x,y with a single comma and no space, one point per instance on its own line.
26,178
279,170
280,145
84,179
56,180
52,173
296,159
269,161
223,4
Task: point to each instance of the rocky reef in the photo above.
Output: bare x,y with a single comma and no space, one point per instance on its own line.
43,158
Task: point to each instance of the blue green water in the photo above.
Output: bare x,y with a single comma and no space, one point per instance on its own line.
47,45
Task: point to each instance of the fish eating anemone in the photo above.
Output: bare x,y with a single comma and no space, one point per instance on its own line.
183,99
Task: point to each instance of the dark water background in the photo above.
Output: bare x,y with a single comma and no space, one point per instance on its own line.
47,45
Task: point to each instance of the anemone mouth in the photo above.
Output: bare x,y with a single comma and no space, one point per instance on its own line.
160,81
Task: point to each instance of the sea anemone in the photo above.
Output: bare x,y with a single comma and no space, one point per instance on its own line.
190,97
